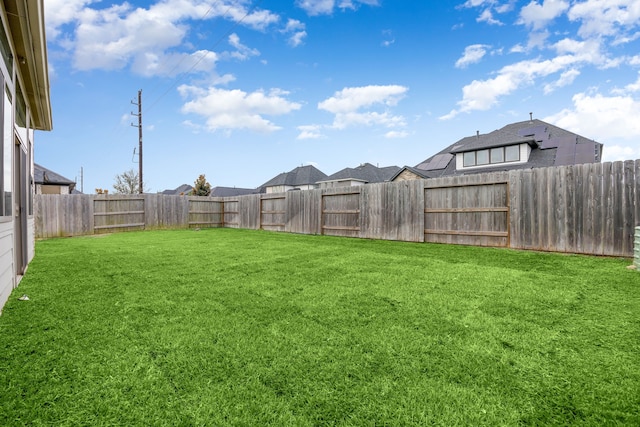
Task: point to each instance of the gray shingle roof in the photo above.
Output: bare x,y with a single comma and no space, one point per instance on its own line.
366,172
231,191
302,175
545,140
42,175
183,189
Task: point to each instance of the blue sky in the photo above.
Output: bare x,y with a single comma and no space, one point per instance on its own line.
243,90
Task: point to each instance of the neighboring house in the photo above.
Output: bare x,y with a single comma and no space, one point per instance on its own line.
26,107
300,178
522,145
183,190
49,182
231,191
364,174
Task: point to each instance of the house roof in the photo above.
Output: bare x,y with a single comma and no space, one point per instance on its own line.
42,175
183,189
302,175
231,191
550,146
366,172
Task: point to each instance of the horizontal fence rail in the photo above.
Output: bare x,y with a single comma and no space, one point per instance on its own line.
591,209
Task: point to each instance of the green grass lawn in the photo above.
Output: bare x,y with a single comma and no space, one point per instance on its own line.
237,327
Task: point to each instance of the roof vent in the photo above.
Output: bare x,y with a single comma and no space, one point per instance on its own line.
477,134
531,117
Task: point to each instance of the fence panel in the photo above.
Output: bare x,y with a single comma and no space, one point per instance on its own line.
468,212
56,216
249,211
393,211
205,213
341,212
273,211
304,212
118,214
231,216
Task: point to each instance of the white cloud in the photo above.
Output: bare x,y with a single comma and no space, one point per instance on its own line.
388,38
630,88
369,118
296,31
472,54
565,79
242,52
353,98
393,134
61,12
484,94
487,16
537,16
346,104
310,132
326,7
172,64
605,17
236,109
488,8
120,35
613,153
317,7
601,117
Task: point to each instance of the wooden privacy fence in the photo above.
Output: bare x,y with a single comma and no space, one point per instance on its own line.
591,208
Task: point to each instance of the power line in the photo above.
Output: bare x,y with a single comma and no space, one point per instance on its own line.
181,76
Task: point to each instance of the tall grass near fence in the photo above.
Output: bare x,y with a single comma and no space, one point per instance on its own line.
237,327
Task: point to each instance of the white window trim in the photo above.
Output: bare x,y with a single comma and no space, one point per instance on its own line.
525,150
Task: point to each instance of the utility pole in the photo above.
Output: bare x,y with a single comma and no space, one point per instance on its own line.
139,126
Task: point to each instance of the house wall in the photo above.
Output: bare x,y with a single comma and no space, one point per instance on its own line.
24,106
406,175
278,189
7,276
52,189
285,188
306,187
341,183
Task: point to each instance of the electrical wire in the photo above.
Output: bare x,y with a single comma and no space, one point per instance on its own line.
182,76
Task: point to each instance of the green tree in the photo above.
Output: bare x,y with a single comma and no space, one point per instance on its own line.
201,187
127,183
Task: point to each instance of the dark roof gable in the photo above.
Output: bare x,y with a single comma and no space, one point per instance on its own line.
366,172
42,175
184,189
302,175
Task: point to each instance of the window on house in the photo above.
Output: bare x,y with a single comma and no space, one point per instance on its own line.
492,156
469,158
5,51
482,157
497,155
512,153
